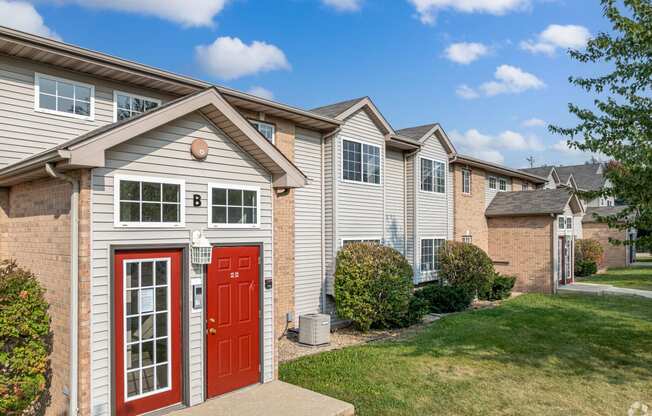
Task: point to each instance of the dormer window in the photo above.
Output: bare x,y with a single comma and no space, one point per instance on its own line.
129,105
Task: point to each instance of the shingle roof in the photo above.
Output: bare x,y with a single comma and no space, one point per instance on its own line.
537,202
586,176
601,211
334,110
417,132
542,171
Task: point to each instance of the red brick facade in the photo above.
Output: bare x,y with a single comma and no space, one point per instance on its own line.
469,208
35,231
523,247
614,256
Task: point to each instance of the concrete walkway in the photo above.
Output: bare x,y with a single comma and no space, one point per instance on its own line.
271,399
596,289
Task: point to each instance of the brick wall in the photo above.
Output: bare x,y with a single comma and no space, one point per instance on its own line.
4,213
614,256
84,334
524,248
35,220
469,209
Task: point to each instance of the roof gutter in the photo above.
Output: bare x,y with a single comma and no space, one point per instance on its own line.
501,169
74,284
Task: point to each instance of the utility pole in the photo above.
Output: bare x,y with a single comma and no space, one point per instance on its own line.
531,160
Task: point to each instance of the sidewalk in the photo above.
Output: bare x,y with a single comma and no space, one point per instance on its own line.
597,289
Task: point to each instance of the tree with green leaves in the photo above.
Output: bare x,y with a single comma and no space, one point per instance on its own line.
620,124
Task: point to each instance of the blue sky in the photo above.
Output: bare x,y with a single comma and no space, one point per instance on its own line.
481,68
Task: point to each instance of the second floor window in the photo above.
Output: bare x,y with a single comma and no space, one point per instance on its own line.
525,187
61,96
266,129
466,181
492,182
129,105
502,184
433,176
360,162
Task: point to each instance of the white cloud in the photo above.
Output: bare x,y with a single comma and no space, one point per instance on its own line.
186,12
230,58
464,53
488,147
344,5
261,92
427,9
558,36
511,80
466,92
23,16
534,122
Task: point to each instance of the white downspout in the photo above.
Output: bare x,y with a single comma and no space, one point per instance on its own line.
74,283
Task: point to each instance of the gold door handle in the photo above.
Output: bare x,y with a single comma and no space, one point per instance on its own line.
212,331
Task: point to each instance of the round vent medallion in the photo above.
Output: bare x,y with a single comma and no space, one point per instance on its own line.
199,149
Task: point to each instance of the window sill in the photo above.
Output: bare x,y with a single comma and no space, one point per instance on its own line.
64,114
234,226
158,225
378,185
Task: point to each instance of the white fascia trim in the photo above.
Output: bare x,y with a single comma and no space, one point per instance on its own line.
235,186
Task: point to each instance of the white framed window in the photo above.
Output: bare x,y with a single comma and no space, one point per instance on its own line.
360,162
64,97
372,240
127,105
147,319
430,254
266,129
148,202
502,184
466,181
562,223
492,182
433,176
467,239
233,206
569,223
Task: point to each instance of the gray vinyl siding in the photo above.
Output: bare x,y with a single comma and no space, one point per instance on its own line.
434,218
308,283
25,131
163,152
410,207
395,200
489,194
359,205
329,214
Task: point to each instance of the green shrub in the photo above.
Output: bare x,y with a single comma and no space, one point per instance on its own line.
373,286
588,250
466,265
585,268
445,299
25,342
501,288
417,309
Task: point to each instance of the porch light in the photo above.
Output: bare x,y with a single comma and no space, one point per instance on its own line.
201,249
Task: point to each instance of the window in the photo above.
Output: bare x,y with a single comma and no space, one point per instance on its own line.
433,176
562,223
234,206
346,242
151,202
129,105
466,181
525,186
266,129
467,239
147,327
610,203
502,184
360,162
60,96
569,223
430,253
492,182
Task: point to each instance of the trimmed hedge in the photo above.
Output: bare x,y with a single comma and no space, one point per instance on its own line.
373,286
25,342
467,266
585,268
501,288
445,299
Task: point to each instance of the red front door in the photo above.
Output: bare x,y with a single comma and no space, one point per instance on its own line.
147,330
232,319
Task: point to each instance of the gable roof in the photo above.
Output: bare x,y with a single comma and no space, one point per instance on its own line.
588,176
63,55
88,150
537,202
593,213
541,171
345,109
334,110
422,133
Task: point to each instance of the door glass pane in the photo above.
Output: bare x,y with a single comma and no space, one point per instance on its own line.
147,331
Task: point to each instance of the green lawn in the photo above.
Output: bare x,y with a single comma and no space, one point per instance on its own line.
630,278
534,355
